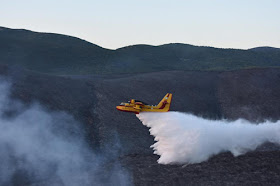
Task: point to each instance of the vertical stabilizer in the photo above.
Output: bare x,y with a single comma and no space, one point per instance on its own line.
165,102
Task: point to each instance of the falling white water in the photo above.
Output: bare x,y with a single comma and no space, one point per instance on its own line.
185,138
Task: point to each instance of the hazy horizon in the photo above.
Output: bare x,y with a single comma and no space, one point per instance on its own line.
115,24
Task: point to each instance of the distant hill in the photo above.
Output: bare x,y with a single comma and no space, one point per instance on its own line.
265,49
61,54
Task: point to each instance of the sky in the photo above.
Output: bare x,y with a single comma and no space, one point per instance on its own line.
117,23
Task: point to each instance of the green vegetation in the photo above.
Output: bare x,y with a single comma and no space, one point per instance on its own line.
60,54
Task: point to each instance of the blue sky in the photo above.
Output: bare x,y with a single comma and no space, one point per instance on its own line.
117,23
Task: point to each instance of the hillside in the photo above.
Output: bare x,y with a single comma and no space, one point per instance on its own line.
49,53
61,54
252,94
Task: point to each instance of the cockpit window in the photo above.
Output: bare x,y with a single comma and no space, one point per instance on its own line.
122,104
141,102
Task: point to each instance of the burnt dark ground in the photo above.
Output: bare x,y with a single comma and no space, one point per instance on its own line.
254,168
250,94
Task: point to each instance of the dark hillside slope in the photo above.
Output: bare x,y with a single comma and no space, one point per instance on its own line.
61,54
49,53
187,57
251,94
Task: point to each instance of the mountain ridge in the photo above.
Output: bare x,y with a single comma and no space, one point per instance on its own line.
67,55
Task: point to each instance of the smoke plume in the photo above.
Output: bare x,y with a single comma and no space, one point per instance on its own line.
42,147
185,138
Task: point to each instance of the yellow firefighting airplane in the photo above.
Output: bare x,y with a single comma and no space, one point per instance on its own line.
137,106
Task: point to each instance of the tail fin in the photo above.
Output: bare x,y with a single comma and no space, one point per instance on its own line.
165,102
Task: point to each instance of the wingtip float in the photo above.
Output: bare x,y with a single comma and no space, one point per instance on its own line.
136,106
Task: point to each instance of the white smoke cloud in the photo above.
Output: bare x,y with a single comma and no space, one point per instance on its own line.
185,138
41,147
